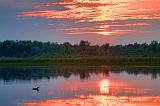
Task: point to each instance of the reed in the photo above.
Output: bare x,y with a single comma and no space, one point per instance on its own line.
90,60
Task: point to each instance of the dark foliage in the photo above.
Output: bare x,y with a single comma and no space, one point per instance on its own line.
11,48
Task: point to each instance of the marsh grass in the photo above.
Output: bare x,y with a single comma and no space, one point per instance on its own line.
87,60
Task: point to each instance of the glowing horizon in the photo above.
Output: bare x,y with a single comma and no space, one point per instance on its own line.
99,11
120,21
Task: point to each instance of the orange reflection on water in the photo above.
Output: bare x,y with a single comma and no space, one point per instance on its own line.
99,101
104,86
111,93
115,88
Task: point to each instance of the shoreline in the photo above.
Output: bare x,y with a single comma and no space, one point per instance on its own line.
91,60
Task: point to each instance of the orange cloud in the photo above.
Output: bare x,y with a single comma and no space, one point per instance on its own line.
100,10
104,29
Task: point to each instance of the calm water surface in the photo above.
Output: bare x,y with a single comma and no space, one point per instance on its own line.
80,86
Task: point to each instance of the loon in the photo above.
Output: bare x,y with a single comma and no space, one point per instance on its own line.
37,88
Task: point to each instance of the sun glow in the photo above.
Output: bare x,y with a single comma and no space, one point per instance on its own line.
100,12
104,86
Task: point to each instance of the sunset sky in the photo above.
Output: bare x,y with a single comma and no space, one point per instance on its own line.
98,21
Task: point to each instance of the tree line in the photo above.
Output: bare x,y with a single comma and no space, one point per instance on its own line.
10,48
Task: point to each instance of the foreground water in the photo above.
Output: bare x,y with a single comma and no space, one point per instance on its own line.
80,86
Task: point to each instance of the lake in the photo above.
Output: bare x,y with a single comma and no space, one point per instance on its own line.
80,86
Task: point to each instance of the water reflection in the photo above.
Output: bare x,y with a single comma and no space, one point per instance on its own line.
99,101
12,74
104,86
80,86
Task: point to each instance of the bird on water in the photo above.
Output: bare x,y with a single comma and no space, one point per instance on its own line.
36,89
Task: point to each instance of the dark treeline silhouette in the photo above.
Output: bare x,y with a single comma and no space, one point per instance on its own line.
10,48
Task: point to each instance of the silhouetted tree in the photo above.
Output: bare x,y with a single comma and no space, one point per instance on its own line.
10,48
